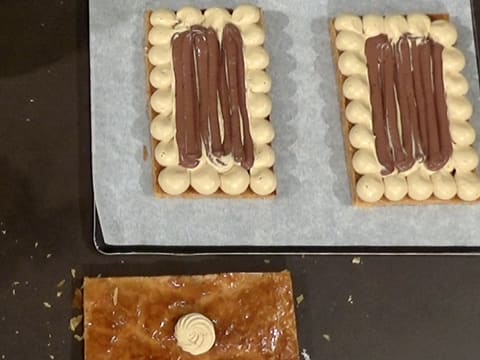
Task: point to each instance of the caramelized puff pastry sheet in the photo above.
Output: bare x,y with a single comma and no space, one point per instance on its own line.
134,317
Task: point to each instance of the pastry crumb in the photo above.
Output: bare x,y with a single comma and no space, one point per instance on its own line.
327,337
3,357
78,337
73,272
48,256
61,283
145,153
14,292
305,355
77,299
357,260
47,305
17,332
36,242
75,321
300,299
115,297
52,357
266,261
15,283
59,294
350,299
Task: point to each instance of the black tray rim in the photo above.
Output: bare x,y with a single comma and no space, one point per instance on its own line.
106,249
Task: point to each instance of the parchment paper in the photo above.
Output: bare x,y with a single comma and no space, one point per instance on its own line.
313,206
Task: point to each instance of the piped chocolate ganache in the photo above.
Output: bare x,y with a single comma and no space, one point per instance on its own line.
409,109
209,74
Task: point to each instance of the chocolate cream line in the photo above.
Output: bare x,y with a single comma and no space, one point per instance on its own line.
204,71
408,73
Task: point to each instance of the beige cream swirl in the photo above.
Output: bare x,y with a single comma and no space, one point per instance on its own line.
370,188
443,32
160,55
217,18
161,77
246,14
348,40
163,17
256,57
235,181
174,180
253,35
444,186
358,112
188,16
259,105
162,128
373,25
419,24
195,333
166,153
258,81
395,26
396,187
468,185
419,186
205,179
263,181
348,22
262,131
160,35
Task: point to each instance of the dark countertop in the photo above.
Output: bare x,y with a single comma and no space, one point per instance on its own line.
386,307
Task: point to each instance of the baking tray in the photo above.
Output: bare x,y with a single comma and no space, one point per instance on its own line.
105,248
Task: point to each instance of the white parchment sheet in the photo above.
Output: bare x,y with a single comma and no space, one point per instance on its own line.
313,206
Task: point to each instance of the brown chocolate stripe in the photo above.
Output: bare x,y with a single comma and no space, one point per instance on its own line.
384,152
403,76
406,81
205,71
213,69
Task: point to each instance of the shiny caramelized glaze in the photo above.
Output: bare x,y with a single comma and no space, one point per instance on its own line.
134,317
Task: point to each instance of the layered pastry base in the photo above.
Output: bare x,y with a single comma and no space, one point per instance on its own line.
211,317
405,111
209,104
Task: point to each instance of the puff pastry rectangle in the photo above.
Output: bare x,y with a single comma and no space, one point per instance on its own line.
134,317
258,181
456,182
